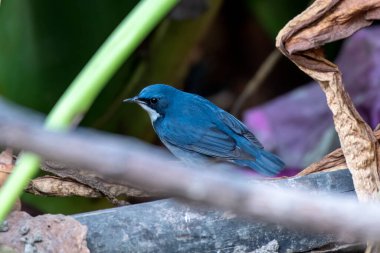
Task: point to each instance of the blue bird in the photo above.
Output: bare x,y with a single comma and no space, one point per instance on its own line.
193,128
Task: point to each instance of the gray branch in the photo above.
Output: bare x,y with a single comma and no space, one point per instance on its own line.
127,160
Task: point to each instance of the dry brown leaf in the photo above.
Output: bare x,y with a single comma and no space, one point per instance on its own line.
326,21
45,233
333,161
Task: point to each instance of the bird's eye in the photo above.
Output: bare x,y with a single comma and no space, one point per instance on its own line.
153,100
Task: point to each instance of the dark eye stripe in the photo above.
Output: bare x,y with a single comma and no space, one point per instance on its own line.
146,100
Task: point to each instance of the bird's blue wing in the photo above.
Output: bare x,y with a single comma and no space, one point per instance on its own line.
204,138
239,128
206,129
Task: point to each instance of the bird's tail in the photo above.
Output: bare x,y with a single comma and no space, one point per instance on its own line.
265,163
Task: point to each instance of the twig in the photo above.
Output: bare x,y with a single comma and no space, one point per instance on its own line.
130,161
253,84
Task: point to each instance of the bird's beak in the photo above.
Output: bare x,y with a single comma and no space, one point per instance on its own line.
132,100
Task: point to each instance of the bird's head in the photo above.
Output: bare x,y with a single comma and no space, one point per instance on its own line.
155,99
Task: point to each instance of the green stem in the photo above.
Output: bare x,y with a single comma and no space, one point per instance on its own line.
86,86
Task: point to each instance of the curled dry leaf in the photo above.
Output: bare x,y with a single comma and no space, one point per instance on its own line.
333,161
45,233
300,40
326,21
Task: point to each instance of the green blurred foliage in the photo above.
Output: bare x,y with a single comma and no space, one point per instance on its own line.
44,44
274,14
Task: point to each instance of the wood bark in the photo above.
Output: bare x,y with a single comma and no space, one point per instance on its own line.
171,226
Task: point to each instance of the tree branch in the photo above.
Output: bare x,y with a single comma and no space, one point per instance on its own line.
128,161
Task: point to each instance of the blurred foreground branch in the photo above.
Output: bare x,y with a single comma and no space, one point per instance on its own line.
126,160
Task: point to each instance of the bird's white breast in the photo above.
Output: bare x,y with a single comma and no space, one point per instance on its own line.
152,113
